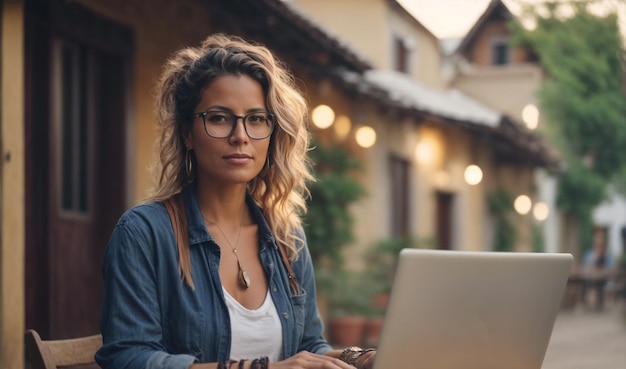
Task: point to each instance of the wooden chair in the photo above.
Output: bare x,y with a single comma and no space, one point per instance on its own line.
66,353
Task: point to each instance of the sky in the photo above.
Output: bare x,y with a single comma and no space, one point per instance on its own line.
453,18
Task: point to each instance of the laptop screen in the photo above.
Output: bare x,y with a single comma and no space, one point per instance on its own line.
472,310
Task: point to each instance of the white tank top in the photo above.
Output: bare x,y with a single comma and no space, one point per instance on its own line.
254,333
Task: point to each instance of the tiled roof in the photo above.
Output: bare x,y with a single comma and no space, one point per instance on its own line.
396,91
451,103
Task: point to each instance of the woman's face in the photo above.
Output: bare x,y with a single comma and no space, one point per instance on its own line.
236,159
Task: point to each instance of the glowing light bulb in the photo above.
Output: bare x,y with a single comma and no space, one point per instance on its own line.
425,152
323,116
365,136
342,126
522,204
473,174
530,116
541,211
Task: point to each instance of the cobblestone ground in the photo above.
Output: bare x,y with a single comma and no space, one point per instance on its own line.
587,339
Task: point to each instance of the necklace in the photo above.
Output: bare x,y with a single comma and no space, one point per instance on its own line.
243,277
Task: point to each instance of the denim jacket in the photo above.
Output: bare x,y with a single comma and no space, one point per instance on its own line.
152,319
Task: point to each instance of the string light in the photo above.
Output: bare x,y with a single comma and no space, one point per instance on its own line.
530,116
365,136
342,126
323,116
541,211
473,174
522,204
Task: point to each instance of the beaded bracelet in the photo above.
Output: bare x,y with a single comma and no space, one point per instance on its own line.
260,363
225,364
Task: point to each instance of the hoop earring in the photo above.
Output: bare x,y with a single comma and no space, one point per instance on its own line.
188,163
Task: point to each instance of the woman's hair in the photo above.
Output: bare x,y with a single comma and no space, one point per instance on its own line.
280,188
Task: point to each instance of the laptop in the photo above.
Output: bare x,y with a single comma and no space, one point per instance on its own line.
472,309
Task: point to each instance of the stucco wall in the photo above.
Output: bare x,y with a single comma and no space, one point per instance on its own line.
12,205
359,23
372,213
506,89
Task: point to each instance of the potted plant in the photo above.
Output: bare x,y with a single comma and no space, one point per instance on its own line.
377,299
328,221
500,204
349,306
381,261
328,225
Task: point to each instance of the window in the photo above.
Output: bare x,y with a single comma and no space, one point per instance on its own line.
500,51
402,53
74,128
444,216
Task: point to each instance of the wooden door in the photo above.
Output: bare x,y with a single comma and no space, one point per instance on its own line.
400,197
77,199
445,203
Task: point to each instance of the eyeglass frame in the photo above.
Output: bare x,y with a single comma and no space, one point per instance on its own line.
270,116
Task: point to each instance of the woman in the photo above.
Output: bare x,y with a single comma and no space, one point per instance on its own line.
214,271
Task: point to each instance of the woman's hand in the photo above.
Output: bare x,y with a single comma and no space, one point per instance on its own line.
307,360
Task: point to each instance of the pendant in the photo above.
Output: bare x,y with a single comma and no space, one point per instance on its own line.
244,279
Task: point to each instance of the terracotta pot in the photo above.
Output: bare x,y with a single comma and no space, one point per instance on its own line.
346,331
373,329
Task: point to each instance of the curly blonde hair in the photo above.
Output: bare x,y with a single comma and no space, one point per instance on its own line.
280,188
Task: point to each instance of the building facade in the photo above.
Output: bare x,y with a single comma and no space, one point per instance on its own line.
439,133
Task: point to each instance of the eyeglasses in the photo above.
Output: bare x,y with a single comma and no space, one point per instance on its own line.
221,124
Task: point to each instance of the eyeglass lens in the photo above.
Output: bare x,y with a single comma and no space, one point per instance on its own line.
220,124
